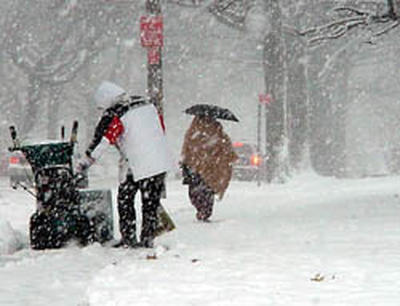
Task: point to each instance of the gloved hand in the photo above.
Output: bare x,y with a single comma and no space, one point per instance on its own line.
83,164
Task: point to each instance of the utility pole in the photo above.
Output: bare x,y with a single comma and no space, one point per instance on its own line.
151,37
154,58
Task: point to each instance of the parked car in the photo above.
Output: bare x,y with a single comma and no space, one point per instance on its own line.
19,170
249,162
3,163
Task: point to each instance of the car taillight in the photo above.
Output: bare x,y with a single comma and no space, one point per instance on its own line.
237,144
14,160
255,160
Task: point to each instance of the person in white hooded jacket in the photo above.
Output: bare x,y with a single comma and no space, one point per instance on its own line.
134,127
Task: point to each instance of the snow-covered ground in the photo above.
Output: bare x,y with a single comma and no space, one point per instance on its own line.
313,241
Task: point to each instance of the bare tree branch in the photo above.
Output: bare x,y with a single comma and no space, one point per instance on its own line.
354,18
191,3
52,41
394,24
231,12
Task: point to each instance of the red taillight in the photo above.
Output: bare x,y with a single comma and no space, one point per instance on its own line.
255,160
14,160
238,144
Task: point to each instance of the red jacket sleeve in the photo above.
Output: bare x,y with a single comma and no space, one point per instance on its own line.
114,130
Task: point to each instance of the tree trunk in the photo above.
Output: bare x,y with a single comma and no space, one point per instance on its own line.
296,102
274,84
339,117
328,99
53,128
30,115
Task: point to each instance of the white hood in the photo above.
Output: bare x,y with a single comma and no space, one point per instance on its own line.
107,93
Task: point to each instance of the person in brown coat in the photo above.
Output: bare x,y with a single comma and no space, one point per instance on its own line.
207,158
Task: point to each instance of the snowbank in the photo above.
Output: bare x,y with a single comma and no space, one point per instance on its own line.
10,239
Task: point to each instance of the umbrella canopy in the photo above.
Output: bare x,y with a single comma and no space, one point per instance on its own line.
213,111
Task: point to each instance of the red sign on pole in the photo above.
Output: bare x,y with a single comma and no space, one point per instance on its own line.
151,31
265,99
153,55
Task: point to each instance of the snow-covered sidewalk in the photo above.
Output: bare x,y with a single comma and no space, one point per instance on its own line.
313,241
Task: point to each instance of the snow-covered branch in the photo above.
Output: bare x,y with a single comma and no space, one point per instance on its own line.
351,18
54,50
191,3
393,25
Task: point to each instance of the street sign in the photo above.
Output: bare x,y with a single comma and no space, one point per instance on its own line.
153,55
151,31
265,99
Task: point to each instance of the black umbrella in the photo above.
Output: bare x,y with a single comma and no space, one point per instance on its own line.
213,111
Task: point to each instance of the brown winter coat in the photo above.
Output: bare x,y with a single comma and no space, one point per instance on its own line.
208,151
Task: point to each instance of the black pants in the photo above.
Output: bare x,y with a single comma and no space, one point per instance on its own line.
150,189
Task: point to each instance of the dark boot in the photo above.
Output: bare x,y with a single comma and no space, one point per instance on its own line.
123,244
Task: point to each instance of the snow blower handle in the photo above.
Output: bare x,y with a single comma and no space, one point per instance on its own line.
62,133
74,132
14,138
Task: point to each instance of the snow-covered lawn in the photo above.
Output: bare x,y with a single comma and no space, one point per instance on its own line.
313,241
